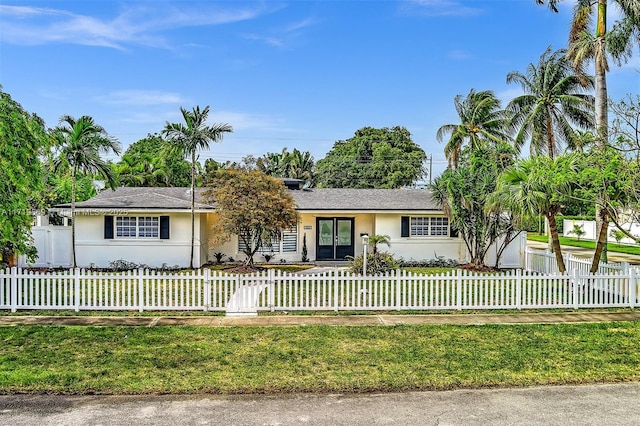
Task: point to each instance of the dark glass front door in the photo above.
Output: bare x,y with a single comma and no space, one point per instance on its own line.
334,237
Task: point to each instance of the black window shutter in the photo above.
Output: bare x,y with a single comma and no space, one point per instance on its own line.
453,232
108,227
164,227
404,226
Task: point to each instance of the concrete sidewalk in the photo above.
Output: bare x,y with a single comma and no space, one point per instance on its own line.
300,320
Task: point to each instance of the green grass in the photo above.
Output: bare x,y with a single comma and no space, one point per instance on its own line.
569,241
126,360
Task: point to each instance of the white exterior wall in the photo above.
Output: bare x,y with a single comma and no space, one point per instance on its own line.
93,249
417,248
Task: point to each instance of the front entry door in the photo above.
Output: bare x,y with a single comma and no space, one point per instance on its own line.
334,238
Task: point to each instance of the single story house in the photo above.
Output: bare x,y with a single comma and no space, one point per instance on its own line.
153,226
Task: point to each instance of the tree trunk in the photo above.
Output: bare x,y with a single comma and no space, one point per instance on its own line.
553,228
193,206
550,139
73,217
601,106
601,243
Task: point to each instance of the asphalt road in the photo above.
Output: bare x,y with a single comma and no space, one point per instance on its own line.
562,405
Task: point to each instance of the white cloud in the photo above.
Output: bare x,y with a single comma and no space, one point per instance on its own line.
141,97
431,8
134,25
459,55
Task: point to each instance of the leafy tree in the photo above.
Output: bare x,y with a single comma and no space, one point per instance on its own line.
147,163
22,139
251,205
609,180
553,103
186,139
462,192
372,158
79,144
625,128
482,123
538,185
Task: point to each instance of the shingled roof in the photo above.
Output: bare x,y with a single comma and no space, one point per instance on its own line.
364,199
143,198
330,199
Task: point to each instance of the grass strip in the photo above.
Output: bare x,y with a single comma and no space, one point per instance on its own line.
574,242
126,360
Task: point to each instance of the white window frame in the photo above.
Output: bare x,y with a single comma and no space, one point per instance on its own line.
143,227
429,227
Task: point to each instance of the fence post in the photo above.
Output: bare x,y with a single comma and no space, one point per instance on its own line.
459,290
140,282
632,287
271,287
547,261
76,289
519,289
14,289
575,289
335,286
207,289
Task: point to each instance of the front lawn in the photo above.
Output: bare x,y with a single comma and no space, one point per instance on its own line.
127,360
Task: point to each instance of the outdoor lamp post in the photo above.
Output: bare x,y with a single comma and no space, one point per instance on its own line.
365,244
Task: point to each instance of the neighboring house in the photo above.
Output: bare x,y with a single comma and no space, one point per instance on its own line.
152,226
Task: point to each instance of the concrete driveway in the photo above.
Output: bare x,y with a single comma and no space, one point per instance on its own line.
561,405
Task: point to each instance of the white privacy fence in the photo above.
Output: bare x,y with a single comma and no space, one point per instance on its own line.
336,291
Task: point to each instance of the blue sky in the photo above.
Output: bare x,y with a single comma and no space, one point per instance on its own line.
296,74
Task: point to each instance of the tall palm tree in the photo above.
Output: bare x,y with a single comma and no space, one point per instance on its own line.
586,45
481,122
535,186
553,102
79,144
189,137
301,165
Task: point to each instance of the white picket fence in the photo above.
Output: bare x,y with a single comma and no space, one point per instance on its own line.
340,291
544,262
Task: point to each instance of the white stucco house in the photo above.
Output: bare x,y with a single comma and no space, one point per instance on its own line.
152,226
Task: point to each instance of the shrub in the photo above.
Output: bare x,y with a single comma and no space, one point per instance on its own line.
438,262
305,257
377,263
218,257
123,265
268,257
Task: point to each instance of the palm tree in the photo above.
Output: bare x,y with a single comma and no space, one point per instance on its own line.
374,240
301,165
481,122
535,186
79,144
552,104
189,137
585,46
